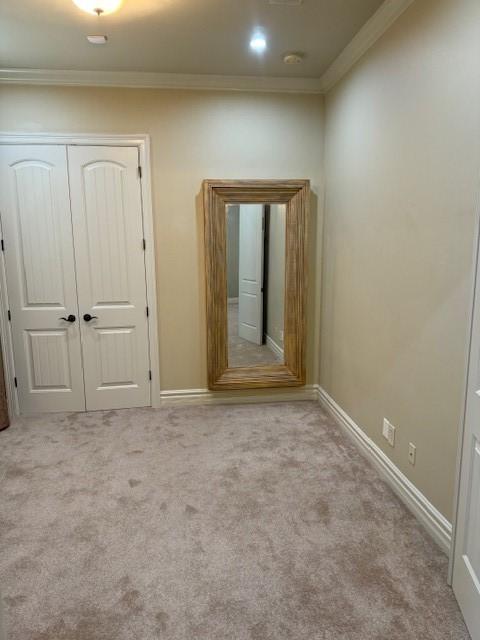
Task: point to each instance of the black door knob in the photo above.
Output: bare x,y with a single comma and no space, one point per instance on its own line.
87,317
71,318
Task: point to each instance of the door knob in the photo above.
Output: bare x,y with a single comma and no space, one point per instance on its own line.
87,317
71,318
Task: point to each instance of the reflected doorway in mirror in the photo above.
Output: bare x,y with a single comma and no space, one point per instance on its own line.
255,283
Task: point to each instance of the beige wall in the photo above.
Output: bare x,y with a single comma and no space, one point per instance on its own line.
195,135
403,168
276,273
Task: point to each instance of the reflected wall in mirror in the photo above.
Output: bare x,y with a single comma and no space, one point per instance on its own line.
255,283
255,236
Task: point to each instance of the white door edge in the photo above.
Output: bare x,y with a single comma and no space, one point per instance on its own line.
6,339
461,431
463,571
142,142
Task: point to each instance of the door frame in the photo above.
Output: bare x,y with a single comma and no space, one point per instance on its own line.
142,143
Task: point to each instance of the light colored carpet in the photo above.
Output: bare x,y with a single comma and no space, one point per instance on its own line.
242,353
249,522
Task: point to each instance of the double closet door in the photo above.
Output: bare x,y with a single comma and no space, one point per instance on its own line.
72,229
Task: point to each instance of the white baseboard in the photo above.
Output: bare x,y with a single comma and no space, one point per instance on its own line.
205,396
437,525
274,346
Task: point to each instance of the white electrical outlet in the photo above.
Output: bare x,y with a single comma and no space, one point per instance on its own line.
388,432
281,335
385,429
412,452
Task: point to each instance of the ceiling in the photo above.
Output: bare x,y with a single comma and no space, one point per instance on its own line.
180,36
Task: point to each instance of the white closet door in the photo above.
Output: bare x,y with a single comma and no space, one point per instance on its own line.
250,273
37,231
110,259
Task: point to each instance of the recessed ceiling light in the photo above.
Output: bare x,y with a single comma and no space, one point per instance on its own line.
258,43
97,39
98,7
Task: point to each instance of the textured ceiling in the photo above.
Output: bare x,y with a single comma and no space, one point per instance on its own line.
180,36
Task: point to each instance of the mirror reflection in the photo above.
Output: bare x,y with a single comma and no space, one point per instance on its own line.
255,283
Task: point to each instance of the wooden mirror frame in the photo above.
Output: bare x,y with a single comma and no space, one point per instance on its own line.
295,194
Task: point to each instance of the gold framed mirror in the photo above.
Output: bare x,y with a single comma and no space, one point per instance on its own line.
255,245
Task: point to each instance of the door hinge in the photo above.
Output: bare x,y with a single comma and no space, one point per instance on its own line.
149,374
139,171
15,382
3,245
9,315
144,243
148,311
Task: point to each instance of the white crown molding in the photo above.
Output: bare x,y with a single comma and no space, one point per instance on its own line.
205,396
371,31
435,523
148,80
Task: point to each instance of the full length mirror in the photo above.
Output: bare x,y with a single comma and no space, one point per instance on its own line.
255,234
255,283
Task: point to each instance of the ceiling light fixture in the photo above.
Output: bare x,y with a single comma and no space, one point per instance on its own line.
98,7
97,39
258,43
